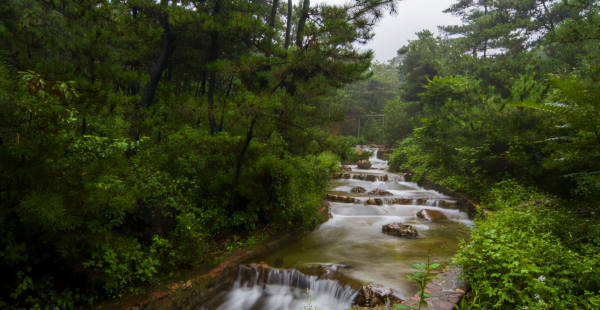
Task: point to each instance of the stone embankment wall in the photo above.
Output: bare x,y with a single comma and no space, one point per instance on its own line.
463,201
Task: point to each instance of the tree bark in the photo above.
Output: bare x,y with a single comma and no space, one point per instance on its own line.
288,28
485,37
273,13
236,197
157,71
302,22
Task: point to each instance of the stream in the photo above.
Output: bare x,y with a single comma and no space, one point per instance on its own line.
350,249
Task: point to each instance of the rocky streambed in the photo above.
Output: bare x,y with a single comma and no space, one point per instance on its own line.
380,226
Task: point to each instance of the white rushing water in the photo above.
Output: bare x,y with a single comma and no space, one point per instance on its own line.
282,290
353,238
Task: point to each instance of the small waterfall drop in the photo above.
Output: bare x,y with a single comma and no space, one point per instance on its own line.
262,287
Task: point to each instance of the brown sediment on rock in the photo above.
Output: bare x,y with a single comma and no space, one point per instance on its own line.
363,164
431,215
375,295
340,198
400,230
379,192
358,189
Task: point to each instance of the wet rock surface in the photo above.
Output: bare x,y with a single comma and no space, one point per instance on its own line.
363,164
400,230
336,198
358,190
408,176
431,215
379,192
375,201
443,293
369,177
375,295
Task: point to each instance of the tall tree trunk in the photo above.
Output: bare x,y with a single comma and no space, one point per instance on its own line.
157,71
288,28
302,22
273,13
236,197
212,83
202,86
485,37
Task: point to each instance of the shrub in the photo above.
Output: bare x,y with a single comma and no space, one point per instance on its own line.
509,193
516,259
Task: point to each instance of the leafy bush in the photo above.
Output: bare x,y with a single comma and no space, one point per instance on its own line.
509,193
90,213
519,258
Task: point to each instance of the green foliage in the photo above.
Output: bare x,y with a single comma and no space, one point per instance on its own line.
525,257
509,193
422,277
419,63
102,195
369,97
575,147
400,120
508,126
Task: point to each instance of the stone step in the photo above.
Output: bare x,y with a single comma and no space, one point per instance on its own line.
363,177
443,203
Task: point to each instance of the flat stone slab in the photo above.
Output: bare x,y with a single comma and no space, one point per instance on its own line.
443,293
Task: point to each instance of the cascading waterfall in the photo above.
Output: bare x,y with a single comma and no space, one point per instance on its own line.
261,287
353,238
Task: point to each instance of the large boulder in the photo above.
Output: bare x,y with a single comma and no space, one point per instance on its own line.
431,215
408,176
363,164
400,230
375,202
380,192
358,189
374,295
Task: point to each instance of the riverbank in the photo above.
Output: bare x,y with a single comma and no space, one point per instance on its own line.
351,248
195,288
191,290
527,250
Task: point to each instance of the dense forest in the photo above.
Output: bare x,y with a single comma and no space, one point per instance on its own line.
136,134
506,108
138,137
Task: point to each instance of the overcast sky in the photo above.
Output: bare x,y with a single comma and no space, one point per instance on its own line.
393,32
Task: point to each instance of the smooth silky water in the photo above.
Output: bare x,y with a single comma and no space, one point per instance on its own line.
352,245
